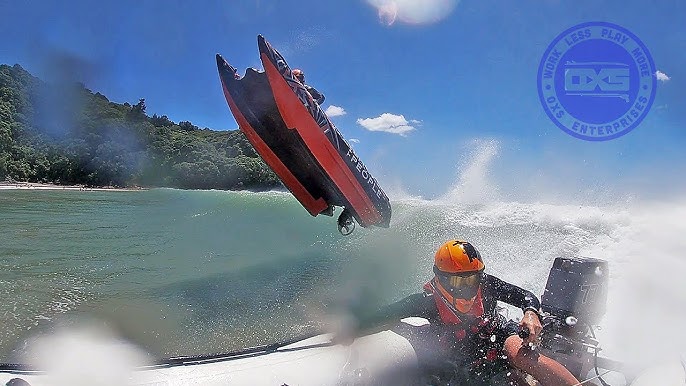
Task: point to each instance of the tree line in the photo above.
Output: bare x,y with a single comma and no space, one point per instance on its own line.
66,134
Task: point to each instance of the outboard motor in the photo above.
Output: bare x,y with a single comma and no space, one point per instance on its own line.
573,304
577,287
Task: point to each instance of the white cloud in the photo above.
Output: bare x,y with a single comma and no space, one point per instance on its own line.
662,76
412,11
387,122
335,111
354,140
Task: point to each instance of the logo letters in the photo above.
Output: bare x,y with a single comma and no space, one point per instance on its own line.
587,79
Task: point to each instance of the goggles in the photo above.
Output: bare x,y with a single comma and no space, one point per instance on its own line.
460,285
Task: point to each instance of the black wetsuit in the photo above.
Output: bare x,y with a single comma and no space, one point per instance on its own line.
473,346
316,95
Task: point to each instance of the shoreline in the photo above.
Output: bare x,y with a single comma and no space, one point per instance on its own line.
42,186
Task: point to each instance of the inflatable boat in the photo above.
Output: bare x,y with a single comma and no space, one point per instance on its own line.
310,361
292,134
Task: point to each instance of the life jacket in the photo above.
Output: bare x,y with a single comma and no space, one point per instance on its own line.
472,321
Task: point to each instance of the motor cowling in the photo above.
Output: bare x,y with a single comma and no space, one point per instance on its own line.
577,287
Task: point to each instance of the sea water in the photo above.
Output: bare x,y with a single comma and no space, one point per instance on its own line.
179,272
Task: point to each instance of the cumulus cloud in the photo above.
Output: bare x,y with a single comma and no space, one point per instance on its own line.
354,140
387,122
661,76
334,111
412,11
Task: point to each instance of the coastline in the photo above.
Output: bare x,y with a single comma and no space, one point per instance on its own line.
42,186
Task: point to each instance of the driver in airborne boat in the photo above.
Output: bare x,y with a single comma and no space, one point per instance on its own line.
316,95
460,301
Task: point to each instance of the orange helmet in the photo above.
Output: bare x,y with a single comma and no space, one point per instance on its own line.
299,75
459,271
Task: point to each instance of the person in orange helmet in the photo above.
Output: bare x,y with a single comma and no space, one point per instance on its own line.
316,95
461,301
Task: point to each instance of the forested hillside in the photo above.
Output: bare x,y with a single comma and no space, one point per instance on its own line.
66,134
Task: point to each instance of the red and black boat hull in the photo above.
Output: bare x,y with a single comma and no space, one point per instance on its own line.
297,140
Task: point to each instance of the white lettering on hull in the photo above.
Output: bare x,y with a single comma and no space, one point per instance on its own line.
364,173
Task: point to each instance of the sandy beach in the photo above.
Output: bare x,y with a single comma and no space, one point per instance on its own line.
37,186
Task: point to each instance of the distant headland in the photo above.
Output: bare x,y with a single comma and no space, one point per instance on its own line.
64,135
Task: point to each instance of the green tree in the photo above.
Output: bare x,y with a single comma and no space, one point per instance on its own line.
100,142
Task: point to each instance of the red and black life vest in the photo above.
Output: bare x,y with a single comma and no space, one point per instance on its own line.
471,322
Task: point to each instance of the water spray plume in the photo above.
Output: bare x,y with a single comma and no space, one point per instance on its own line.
473,185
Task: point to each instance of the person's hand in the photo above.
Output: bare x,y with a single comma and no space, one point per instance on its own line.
531,322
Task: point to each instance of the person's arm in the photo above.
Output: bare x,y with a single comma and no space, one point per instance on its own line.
511,294
316,95
420,305
519,297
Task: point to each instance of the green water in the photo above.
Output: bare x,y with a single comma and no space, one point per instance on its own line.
177,272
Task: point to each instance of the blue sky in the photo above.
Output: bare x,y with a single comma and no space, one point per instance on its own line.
462,74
